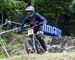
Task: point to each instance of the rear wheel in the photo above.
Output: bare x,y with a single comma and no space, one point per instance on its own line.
39,48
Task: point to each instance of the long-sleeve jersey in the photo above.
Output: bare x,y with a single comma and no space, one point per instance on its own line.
36,19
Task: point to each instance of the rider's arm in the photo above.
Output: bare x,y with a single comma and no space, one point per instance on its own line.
41,18
22,24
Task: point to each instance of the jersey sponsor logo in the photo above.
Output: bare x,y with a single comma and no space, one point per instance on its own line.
52,30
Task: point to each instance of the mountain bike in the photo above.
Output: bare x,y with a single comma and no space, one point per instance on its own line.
32,45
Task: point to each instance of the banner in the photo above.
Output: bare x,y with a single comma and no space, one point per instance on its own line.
52,30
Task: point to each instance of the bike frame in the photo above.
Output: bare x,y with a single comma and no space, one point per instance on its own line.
31,32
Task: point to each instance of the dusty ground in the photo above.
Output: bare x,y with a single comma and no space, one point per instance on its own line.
49,56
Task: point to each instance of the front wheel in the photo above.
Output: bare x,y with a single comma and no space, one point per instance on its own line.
26,47
29,46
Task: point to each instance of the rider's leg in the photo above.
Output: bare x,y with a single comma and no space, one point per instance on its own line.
42,42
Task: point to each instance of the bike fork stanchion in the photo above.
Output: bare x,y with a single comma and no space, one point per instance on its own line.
34,44
2,44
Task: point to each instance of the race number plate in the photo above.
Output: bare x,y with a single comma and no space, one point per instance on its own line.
30,31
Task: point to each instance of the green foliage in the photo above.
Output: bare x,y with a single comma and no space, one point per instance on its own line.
72,6
2,55
58,12
51,7
10,7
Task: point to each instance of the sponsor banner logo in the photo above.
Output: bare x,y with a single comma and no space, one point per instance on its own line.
52,30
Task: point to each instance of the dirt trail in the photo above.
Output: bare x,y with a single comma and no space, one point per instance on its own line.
49,56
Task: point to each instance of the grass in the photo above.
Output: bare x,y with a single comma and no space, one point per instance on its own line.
2,54
50,56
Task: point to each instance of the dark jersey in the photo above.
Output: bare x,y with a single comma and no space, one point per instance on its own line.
36,19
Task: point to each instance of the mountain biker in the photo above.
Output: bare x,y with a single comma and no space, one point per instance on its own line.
33,19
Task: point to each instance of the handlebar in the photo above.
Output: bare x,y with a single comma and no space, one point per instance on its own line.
33,26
